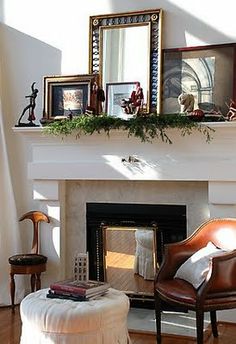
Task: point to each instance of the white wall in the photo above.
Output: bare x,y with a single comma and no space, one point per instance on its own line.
49,37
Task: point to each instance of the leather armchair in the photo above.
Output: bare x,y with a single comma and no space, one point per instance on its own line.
217,292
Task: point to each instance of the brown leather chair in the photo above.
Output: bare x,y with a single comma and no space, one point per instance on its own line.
217,292
32,263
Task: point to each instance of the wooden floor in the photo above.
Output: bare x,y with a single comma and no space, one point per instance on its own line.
10,329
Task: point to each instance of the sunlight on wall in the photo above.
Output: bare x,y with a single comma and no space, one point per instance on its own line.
61,24
192,40
54,213
209,13
64,25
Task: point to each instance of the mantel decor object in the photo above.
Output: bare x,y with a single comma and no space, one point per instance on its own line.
145,128
30,108
207,73
67,96
115,55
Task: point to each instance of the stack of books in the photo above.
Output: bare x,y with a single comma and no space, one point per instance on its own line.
77,290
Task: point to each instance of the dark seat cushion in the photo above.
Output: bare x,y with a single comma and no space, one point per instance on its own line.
177,290
27,259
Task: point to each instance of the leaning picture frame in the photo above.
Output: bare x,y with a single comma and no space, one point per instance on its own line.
207,72
69,95
117,95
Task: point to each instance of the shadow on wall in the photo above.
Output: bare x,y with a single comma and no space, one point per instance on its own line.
23,60
177,21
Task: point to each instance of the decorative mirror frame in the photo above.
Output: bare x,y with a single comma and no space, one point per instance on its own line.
146,294
152,17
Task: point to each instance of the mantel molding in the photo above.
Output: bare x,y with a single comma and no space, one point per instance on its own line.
102,157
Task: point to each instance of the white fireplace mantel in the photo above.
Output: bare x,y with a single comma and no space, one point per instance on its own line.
98,156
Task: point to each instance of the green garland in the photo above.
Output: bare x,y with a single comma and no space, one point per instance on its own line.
146,128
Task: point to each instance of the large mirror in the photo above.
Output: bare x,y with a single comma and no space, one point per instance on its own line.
125,52
129,259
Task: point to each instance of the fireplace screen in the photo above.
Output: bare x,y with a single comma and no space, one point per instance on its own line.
129,258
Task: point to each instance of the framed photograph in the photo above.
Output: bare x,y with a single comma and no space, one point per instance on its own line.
70,95
117,96
206,72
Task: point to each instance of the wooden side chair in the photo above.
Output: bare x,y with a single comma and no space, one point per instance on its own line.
31,263
199,274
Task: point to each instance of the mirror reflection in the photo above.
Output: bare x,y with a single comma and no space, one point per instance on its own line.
124,62
126,48
130,258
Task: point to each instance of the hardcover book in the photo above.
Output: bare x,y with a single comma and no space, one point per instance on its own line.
84,288
71,296
66,296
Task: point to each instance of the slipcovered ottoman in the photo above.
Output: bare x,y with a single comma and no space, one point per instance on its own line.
100,321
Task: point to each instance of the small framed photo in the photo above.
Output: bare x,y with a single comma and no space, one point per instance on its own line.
69,95
118,96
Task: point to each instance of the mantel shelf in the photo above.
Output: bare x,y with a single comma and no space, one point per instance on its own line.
31,130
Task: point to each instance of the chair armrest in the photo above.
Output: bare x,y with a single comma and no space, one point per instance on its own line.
222,274
175,254
221,278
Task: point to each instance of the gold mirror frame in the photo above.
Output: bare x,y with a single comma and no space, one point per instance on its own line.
151,17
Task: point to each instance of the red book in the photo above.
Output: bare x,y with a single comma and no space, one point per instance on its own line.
83,288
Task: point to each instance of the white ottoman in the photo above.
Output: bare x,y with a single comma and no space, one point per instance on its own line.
100,321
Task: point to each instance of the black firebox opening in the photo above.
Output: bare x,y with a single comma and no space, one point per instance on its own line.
169,219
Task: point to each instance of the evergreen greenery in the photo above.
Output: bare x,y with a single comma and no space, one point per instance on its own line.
146,128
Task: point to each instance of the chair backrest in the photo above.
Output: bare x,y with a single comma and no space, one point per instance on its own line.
220,231
35,217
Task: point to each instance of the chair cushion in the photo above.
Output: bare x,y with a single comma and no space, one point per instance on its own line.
195,269
180,292
27,259
177,290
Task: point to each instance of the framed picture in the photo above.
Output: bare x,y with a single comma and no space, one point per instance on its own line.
206,72
117,95
70,95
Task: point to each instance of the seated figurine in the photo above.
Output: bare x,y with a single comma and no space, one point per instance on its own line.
133,105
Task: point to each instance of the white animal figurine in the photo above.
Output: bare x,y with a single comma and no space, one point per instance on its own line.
186,102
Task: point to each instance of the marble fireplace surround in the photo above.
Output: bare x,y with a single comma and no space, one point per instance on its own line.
67,173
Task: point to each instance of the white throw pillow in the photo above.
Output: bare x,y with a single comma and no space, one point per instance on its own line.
195,269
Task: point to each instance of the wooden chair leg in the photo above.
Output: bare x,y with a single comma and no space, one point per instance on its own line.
158,317
214,323
12,290
199,324
32,282
38,281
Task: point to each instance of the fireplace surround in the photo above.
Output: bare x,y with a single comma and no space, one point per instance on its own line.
66,174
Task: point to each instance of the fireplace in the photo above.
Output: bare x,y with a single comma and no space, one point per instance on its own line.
169,219
67,174
166,223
